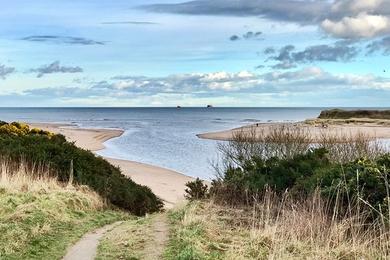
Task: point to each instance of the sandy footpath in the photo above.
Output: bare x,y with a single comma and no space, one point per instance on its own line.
167,184
371,131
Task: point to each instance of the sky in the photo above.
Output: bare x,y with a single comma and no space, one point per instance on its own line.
232,53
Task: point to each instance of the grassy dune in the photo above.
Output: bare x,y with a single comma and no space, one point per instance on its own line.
41,217
346,114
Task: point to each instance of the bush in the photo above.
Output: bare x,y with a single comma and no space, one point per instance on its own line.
197,190
364,179
17,142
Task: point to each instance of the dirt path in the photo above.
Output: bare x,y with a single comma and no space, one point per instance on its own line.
86,247
154,248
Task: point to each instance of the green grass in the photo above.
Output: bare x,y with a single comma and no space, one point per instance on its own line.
345,114
127,240
190,239
42,223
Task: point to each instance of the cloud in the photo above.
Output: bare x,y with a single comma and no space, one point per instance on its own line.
339,18
220,83
184,83
252,35
131,22
304,12
55,67
288,58
259,67
195,88
234,38
247,36
62,40
354,7
382,45
269,50
5,71
358,19
361,26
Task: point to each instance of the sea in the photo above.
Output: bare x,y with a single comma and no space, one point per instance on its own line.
164,137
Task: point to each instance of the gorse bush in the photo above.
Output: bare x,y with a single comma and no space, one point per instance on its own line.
196,190
353,169
18,142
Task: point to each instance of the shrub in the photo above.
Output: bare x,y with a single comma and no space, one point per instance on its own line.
364,179
196,190
42,148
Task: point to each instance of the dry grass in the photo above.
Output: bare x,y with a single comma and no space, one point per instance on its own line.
40,217
286,141
277,228
345,147
22,177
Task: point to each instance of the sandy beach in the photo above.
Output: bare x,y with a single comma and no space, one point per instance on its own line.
315,131
167,184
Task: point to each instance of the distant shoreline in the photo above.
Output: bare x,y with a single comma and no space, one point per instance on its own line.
315,129
169,185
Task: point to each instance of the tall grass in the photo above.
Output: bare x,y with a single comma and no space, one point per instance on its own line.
280,228
323,227
41,217
23,177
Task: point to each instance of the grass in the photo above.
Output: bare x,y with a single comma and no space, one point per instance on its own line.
41,217
127,240
352,121
346,114
273,229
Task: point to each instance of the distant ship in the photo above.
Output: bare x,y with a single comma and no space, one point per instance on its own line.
209,106
178,107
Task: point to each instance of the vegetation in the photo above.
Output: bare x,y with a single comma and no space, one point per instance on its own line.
69,162
287,163
196,190
279,196
347,114
133,239
126,241
41,217
275,228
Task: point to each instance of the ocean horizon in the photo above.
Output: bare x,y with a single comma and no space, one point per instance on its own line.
163,136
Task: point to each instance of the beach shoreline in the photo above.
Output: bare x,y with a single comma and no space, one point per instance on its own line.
372,131
167,184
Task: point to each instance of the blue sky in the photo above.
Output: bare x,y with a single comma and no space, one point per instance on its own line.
168,53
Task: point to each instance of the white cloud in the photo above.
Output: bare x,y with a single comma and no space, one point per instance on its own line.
206,88
361,26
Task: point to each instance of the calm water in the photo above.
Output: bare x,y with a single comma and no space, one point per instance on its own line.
161,136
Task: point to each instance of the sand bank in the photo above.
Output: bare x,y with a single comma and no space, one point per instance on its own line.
315,131
167,184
